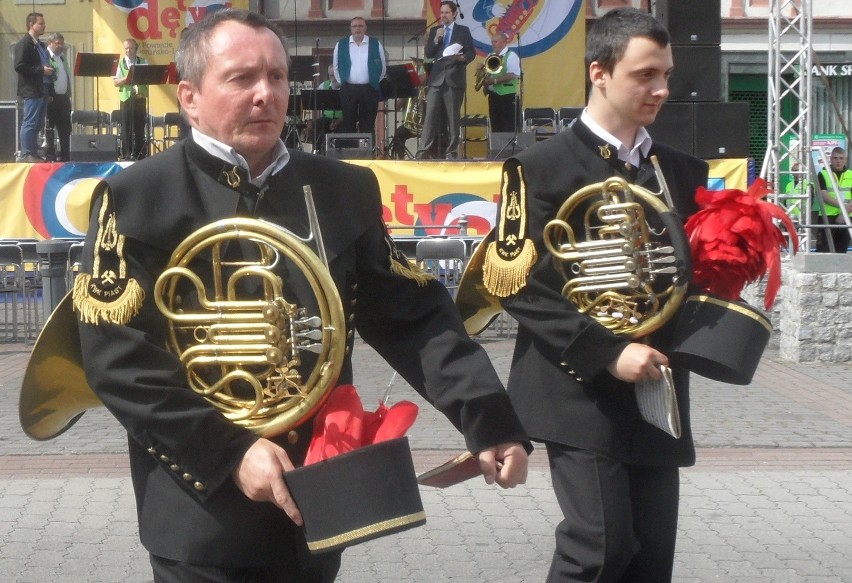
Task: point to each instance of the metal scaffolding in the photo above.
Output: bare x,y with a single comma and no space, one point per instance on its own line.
790,82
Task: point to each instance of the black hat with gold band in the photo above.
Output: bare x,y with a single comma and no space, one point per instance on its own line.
719,339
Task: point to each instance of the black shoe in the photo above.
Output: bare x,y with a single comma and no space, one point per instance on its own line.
422,155
29,159
452,156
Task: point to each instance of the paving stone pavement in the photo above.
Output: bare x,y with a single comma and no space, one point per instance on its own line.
770,499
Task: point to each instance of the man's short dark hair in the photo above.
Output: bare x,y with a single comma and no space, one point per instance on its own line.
193,50
32,17
453,6
608,37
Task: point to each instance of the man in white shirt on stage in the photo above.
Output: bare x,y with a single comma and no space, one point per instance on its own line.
359,65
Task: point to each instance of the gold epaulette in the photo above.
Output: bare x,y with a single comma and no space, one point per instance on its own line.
107,295
511,255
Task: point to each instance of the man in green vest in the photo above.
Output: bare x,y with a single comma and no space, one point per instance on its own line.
134,103
359,65
59,102
830,213
501,86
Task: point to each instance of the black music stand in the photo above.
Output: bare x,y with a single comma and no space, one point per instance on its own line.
301,68
319,100
399,83
96,65
145,75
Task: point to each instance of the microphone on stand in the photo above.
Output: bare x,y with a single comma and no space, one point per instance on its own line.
461,14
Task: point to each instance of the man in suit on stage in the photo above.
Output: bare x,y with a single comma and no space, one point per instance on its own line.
447,82
572,379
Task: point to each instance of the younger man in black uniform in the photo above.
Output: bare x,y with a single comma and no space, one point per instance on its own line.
572,379
210,494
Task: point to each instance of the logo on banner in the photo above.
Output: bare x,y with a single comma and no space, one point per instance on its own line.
146,20
56,197
441,215
533,26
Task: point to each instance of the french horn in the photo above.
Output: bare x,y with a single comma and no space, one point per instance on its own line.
622,253
265,362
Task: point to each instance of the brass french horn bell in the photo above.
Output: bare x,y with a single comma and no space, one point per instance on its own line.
266,363
621,250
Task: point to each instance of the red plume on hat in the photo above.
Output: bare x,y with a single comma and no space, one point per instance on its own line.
734,241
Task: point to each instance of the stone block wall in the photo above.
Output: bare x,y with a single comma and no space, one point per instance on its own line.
816,309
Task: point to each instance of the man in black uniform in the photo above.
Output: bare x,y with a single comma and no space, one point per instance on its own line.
572,379
211,498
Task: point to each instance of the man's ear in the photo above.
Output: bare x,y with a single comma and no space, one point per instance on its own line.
186,94
597,74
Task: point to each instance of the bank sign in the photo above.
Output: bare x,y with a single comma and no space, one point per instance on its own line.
838,70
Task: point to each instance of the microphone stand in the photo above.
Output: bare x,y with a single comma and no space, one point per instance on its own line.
315,120
424,30
516,108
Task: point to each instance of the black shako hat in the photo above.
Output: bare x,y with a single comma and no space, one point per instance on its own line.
357,496
720,339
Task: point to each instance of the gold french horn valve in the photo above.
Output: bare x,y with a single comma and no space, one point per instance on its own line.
264,362
491,66
629,267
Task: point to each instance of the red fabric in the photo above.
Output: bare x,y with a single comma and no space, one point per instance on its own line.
734,241
342,425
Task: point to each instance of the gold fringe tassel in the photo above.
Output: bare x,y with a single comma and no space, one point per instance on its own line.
411,271
119,311
503,278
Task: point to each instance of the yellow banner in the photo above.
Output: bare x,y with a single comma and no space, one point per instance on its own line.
549,36
418,198
156,25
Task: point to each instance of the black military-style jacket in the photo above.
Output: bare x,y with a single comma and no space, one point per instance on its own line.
182,450
558,381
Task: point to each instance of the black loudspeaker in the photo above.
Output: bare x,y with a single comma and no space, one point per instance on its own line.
697,75
721,130
349,146
10,124
696,22
500,144
93,148
674,126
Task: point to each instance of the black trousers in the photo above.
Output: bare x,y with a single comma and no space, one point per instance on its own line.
134,113
840,237
620,521
503,112
283,569
360,104
58,123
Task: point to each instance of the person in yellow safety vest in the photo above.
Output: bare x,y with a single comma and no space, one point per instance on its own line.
501,87
843,175
796,188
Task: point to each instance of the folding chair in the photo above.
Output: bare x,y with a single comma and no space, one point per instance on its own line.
473,128
541,121
444,259
90,121
565,115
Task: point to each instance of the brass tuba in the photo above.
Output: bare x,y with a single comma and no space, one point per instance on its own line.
621,250
266,363
492,65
